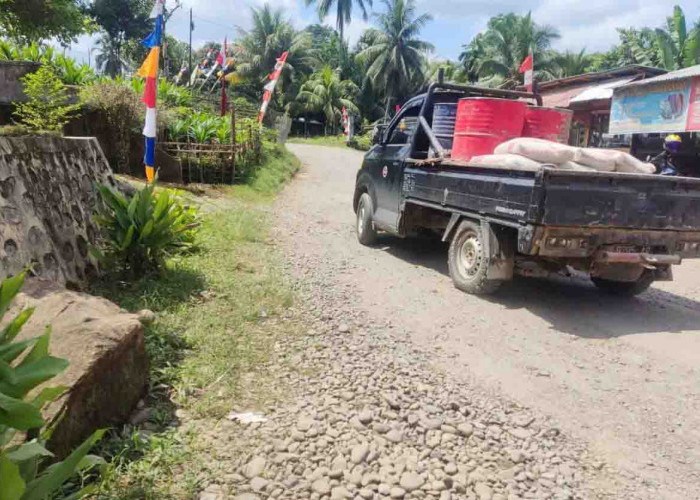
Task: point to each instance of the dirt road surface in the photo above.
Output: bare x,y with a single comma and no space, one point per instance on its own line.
620,376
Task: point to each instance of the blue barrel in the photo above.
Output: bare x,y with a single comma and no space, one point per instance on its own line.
444,117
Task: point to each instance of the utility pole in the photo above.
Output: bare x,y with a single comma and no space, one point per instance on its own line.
190,54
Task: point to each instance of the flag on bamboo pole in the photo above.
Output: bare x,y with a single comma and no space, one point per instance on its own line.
527,68
270,87
224,101
149,71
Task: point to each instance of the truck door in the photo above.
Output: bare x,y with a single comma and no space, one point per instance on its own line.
388,163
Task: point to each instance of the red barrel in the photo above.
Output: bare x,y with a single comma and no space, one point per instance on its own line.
483,123
552,124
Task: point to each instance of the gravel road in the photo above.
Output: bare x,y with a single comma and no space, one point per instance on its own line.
613,385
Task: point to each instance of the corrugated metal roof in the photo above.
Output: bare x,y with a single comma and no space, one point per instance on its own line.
588,78
601,91
668,77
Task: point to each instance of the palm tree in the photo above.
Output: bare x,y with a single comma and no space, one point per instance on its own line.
677,47
343,10
258,50
471,57
109,60
327,93
396,60
571,63
507,41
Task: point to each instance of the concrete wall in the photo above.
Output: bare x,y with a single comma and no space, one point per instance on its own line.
47,199
11,86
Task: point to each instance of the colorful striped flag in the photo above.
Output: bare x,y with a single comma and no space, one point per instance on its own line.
270,87
149,71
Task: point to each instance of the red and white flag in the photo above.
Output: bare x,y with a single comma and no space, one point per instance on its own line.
270,87
527,68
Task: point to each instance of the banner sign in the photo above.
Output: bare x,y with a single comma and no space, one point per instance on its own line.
663,107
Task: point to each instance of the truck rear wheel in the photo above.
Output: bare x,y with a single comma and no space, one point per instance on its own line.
625,288
366,232
468,261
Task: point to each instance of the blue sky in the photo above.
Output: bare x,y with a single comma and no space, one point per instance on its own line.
586,24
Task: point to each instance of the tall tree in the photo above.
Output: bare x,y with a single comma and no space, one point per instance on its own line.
343,10
396,60
678,47
29,21
508,40
571,63
471,57
121,20
327,93
259,48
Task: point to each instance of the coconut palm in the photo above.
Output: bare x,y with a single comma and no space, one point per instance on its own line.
571,63
508,40
678,47
258,50
471,57
325,92
109,60
396,61
343,10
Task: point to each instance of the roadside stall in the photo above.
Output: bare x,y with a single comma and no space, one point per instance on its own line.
651,109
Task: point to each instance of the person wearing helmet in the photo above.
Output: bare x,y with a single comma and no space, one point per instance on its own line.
666,161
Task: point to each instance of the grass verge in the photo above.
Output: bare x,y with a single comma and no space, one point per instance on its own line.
218,317
335,141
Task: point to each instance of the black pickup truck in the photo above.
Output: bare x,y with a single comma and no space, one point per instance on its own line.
624,230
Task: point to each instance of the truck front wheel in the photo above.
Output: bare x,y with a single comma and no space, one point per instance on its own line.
625,288
366,232
468,261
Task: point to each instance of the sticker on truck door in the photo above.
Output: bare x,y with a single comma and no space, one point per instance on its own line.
385,171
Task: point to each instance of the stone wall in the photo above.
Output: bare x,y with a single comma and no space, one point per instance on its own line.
11,86
47,199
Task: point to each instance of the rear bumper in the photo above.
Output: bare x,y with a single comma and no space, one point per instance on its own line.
606,257
612,245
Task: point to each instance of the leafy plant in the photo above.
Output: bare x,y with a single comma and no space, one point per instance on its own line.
203,128
47,107
223,131
141,232
25,365
72,73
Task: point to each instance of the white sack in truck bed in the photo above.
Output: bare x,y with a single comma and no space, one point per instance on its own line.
507,161
602,160
538,150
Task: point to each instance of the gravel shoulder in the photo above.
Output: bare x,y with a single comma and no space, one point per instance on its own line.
612,385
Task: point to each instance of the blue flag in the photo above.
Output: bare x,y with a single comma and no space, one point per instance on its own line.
153,40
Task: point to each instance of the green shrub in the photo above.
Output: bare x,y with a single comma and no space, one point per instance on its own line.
140,233
122,109
47,107
25,365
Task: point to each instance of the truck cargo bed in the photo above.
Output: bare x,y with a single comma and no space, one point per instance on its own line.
559,197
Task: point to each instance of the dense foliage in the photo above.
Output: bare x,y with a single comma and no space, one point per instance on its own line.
24,366
28,21
47,106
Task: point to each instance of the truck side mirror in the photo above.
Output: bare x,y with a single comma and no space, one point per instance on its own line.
378,135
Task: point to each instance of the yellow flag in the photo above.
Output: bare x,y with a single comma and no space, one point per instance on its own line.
149,69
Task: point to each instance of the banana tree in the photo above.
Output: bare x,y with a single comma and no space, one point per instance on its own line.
678,48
